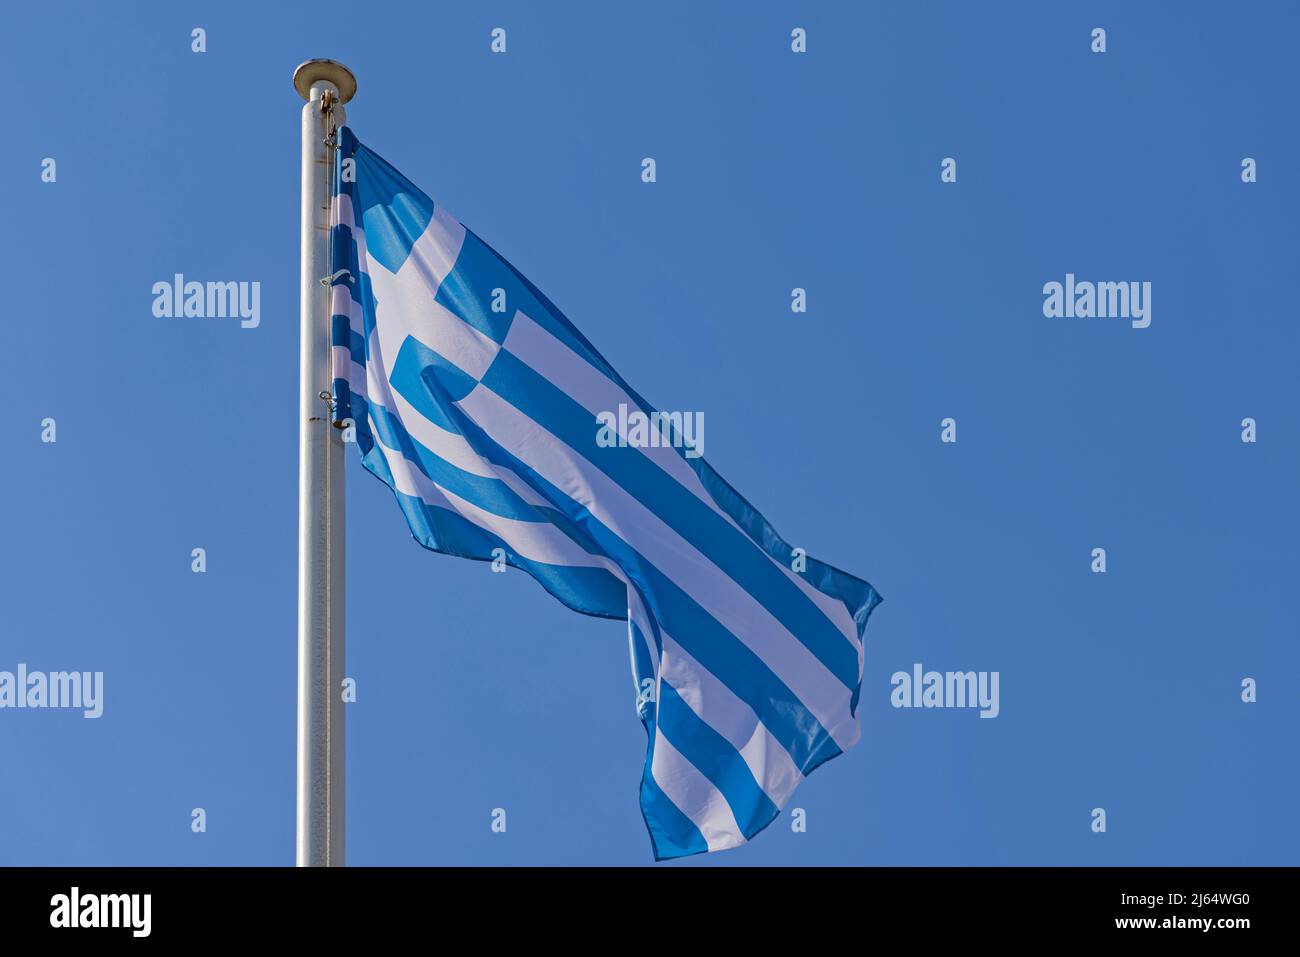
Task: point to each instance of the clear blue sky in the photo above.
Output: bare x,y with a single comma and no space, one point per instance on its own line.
477,690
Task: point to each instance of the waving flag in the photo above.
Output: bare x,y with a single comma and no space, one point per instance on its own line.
476,401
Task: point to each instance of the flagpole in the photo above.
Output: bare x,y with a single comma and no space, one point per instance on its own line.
326,86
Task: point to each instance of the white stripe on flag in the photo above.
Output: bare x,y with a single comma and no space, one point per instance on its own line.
717,706
695,796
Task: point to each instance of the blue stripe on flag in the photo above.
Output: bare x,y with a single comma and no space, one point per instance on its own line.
716,759
672,833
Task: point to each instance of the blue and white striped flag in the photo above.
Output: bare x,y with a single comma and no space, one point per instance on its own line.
475,400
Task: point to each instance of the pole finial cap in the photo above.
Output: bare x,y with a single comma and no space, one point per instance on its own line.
330,70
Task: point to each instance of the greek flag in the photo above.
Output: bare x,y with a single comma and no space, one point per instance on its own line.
476,401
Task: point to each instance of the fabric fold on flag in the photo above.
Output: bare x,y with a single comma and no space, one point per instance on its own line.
475,400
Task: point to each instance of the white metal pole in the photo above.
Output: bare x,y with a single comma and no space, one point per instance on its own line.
325,85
